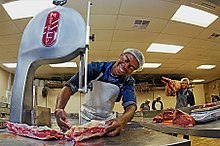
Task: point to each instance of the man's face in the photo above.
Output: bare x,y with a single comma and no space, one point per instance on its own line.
158,98
126,64
184,84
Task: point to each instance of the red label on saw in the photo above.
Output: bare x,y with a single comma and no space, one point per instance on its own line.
51,29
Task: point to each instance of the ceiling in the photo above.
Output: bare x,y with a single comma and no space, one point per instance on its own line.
112,23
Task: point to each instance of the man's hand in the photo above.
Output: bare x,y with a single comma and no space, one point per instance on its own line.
62,121
114,126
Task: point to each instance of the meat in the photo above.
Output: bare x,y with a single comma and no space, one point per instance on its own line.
168,115
177,117
158,118
42,132
171,86
181,118
92,129
163,117
207,105
76,133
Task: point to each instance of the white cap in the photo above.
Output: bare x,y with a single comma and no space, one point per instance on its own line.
138,55
158,96
184,79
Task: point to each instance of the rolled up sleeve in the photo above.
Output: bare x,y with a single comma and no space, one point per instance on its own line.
128,95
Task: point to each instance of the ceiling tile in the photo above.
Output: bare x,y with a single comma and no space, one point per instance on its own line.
173,39
103,21
215,25
206,35
22,23
127,23
8,27
120,46
98,6
153,8
100,46
182,29
202,44
133,36
102,35
10,39
4,15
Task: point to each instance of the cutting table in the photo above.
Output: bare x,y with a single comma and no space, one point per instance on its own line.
210,129
133,135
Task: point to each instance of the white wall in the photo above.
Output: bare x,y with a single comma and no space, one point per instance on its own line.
199,94
73,105
4,82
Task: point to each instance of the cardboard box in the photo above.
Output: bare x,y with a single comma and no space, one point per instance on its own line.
42,116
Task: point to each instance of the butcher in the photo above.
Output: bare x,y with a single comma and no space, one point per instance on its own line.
184,97
111,82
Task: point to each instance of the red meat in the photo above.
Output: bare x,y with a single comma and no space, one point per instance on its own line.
171,86
158,118
168,115
42,133
92,129
181,118
207,105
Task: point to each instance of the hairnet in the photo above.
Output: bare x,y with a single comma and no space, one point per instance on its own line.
185,79
213,95
158,96
138,55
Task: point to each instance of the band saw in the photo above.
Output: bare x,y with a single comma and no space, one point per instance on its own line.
56,35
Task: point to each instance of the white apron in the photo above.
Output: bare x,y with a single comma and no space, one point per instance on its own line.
99,102
158,105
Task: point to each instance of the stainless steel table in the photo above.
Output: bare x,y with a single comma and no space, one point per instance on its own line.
133,135
210,129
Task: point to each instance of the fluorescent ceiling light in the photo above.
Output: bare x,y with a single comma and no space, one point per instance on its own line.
164,48
66,64
194,16
206,67
197,81
26,8
10,65
151,65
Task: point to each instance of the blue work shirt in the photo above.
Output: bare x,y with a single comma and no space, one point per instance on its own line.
183,98
125,83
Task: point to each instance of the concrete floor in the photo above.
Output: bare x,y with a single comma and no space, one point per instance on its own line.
203,141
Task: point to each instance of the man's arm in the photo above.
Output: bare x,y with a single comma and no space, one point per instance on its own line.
191,98
63,97
61,102
153,105
142,106
116,125
161,105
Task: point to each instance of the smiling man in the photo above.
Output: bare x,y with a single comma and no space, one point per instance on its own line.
184,96
111,82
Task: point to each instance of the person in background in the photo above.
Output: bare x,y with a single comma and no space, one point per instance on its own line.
157,104
215,98
111,82
184,97
145,105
